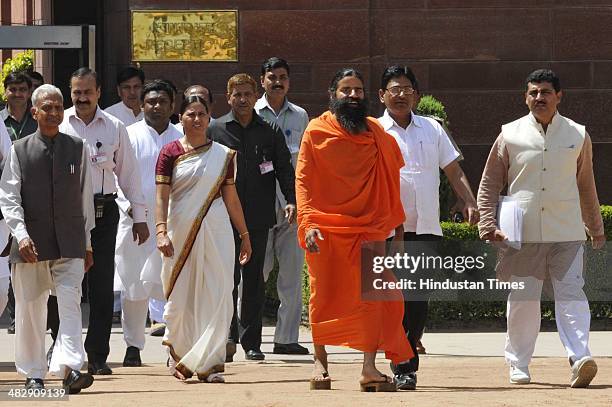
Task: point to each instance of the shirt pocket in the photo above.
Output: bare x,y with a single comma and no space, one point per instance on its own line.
427,153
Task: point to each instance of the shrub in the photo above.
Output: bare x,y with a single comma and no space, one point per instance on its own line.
493,313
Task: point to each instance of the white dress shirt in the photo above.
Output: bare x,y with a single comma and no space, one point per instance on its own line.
109,150
124,113
11,198
291,119
5,144
5,148
425,148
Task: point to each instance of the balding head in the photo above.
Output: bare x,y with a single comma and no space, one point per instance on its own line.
199,90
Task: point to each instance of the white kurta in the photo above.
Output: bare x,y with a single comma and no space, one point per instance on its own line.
5,147
124,113
130,258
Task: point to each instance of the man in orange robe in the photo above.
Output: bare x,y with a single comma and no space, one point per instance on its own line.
347,190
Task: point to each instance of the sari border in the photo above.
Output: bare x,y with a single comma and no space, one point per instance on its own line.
195,227
199,150
184,370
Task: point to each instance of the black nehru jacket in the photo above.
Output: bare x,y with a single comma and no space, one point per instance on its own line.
257,143
51,196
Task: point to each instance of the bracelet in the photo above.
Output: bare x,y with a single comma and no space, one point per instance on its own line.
161,231
243,234
160,223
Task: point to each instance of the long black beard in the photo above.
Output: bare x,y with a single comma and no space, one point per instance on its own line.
351,118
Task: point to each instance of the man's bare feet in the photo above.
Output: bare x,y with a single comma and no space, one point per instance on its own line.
370,374
320,379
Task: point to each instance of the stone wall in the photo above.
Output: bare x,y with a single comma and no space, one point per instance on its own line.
473,55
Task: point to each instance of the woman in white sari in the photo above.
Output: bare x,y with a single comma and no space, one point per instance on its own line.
195,195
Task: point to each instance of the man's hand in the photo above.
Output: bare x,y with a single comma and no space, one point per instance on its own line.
495,236
290,213
27,250
140,231
311,240
470,212
88,260
598,242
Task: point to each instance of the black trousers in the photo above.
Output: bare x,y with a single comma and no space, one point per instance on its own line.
415,313
10,305
53,316
100,284
247,328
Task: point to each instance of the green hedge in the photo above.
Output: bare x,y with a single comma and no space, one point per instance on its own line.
444,312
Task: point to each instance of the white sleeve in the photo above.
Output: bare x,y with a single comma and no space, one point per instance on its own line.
447,153
128,175
10,197
5,144
87,196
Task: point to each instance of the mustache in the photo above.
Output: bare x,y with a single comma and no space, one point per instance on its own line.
278,87
87,102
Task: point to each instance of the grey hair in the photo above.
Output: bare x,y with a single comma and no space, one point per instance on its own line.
45,90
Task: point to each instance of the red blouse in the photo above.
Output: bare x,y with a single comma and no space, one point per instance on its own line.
171,152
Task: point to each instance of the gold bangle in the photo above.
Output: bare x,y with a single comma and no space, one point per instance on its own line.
243,234
161,231
160,223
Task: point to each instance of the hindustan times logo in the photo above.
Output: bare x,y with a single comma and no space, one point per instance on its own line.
410,263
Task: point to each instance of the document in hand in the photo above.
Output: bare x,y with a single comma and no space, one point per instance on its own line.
510,221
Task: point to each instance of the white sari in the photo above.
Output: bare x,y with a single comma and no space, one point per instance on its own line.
198,280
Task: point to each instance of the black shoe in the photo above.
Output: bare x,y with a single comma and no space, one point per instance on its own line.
230,351
34,384
406,381
99,368
77,381
290,349
254,354
132,357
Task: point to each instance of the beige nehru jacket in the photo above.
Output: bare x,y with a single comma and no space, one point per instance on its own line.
549,173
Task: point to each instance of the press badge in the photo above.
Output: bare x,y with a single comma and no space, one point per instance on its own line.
99,158
266,167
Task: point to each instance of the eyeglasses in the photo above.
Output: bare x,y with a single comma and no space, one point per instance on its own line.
398,90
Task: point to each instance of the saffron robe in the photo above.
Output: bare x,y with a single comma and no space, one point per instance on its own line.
347,186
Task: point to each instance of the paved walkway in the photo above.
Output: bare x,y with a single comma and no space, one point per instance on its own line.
460,369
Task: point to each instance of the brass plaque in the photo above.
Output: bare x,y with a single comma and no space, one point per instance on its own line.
194,35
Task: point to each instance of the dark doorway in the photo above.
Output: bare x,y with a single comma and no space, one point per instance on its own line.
66,61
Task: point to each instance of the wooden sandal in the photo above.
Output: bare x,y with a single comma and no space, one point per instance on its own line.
383,386
324,384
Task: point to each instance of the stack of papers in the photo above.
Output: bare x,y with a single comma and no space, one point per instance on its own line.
510,221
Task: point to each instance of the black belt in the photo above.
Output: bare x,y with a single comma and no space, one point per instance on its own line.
107,197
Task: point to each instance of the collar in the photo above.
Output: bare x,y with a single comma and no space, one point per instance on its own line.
154,132
262,103
129,109
5,114
229,117
552,125
44,139
71,112
388,122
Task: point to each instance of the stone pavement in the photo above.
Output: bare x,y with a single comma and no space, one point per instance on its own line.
460,369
